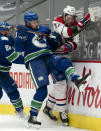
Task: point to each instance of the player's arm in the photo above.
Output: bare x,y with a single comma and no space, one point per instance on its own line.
56,42
8,51
83,22
21,37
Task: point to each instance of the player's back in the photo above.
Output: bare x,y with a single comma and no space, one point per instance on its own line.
4,48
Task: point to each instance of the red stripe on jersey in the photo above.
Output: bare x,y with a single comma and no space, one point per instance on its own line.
53,77
69,31
51,97
57,99
61,99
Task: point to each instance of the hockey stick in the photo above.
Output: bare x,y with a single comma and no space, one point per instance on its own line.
64,40
38,33
32,32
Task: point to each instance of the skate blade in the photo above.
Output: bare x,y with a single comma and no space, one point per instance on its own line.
29,125
83,86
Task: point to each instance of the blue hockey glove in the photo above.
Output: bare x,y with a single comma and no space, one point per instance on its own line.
22,31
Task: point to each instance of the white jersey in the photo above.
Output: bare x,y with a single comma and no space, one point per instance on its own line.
60,27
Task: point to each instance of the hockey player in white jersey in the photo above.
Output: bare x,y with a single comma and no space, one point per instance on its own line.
66,25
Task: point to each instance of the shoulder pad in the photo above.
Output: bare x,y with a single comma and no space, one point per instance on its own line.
59,19
44,29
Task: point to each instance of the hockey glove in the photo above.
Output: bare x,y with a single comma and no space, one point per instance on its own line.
84,21
71,46
22,31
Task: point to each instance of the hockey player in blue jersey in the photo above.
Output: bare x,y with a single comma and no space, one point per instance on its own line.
33,39
8,56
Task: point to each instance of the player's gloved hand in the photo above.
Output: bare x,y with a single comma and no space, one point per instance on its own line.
57,37
64,49
71,46
22,31
1,93
84,21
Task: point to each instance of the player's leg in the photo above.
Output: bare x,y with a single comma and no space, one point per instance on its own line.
51,101
40,80
60,96
50,104
65,65
10,87
60,88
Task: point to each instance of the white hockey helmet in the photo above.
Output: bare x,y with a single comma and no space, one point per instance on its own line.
70,10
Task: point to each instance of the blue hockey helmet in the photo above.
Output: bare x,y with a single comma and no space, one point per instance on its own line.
29,16
3,26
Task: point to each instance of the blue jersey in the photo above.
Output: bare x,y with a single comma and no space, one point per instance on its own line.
7,53
34,45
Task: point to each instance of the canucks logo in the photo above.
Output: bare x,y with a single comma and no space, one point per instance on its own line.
39,41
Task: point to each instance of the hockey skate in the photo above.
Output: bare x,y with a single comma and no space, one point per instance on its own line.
64,118
83,82
49,113
22,115
32,122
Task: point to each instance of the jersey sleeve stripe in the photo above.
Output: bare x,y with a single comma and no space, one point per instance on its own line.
69,71
12,57
5,69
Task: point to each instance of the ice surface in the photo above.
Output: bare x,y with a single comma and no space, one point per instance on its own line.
12,123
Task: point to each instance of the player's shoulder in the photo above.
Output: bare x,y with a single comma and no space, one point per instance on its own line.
3,38
75,22
44,29
59,19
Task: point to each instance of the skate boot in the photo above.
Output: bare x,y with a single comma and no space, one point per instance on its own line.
22,115
32,122
49,112
82,83
64,118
